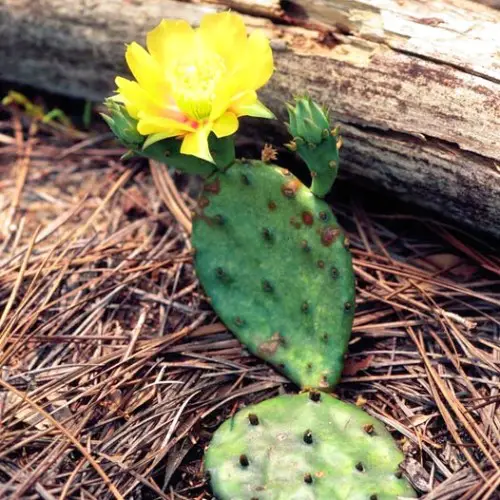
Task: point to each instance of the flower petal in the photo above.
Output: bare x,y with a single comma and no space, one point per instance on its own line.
153,138
135,97
117,97
224,93
256,62
245,97
196,144
226,125
164,41
144,68
256,109
225,34
192,82
149,124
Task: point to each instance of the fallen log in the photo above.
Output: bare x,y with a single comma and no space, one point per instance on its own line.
415,85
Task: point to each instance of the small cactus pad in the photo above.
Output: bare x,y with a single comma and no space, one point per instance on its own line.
274,262
303,448
315,143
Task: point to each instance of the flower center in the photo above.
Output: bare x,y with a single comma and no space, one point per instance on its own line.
194,83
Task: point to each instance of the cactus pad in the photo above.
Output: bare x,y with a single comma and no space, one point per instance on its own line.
274,262
305,447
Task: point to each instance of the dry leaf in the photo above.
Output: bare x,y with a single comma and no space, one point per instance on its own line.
420,419
10,401
354,366
417,475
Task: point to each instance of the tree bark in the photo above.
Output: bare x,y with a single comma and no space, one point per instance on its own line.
415,85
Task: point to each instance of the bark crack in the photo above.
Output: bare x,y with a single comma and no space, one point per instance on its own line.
448,64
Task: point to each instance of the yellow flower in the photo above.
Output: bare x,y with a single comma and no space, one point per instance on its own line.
191,82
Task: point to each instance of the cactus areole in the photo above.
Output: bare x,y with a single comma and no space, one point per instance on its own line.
305,447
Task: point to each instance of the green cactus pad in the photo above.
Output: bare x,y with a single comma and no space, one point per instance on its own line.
274,262
305,447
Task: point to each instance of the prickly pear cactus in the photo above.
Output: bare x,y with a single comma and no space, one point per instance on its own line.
305,447
274,261
269,251
271,257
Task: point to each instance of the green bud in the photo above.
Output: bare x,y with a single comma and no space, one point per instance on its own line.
307,120
123,125
315,143
319,116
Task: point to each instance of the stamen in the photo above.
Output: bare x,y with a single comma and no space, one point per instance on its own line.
194,84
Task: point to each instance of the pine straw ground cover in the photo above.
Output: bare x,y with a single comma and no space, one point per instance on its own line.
115,371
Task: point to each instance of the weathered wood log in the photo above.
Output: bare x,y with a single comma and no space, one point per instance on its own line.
415,85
